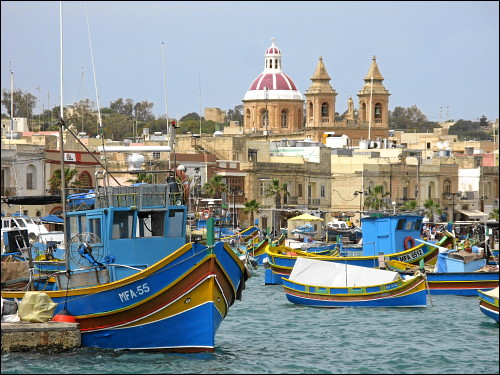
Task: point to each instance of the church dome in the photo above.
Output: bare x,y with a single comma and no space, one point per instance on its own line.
272,83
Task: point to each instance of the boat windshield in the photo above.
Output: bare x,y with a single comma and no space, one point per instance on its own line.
20,223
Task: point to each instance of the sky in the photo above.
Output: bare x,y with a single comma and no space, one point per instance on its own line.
184,56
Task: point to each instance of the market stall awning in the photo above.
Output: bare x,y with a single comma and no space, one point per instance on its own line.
306,217
472,213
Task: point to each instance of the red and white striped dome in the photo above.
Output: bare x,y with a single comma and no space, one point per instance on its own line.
273,50
272,83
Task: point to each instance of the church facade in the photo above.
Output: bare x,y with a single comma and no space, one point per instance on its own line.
273,105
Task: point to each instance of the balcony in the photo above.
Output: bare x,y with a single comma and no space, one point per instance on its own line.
313,202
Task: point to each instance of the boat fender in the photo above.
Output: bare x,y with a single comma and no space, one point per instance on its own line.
206,214
409,242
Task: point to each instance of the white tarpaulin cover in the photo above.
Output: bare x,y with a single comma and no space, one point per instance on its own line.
492,293
334,274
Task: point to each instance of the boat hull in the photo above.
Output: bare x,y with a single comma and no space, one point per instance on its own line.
461,283
411,293
488,305
175,305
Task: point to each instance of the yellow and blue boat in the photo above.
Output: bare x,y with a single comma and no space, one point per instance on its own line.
317,283
488,303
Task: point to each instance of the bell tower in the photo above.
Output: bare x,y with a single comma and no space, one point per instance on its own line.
374,100
320,99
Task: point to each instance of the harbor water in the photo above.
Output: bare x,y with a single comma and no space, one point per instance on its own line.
266,334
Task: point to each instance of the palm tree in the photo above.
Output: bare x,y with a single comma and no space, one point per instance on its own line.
142,177
409,205
375,199
215,187
55,180
493,214
251,207
275,189
431,209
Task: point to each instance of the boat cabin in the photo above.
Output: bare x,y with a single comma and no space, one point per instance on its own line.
390,234
130,228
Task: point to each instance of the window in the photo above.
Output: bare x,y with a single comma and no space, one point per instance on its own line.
150,224
300,193
31,177
252,155
310,110
322,191
417,225
95,227
405,192
378,111
176,223
156,155
284,116
324,110
264,119
122,225
85,180
263,185
401,224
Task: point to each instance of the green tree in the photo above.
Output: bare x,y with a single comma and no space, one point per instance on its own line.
409,205
431,209
55,180
215,187
275,189
143,111
24,103
375,199
468,130
252,207
493,214
147,178
410,118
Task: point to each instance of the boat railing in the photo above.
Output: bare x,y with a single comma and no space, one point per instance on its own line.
140,196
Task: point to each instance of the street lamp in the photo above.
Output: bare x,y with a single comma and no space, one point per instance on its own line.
360,193
452,195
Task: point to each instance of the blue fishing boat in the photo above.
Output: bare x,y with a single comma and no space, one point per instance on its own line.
305,230
455,272
488,303
134,283
318,283
281,260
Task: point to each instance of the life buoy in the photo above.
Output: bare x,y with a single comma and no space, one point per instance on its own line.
409,242
205,214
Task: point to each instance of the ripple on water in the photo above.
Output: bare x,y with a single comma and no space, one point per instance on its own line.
266,334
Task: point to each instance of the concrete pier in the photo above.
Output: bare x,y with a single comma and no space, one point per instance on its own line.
45,337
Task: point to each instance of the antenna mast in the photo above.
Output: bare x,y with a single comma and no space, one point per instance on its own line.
169,128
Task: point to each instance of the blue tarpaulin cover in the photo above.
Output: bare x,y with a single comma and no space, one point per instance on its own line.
52,219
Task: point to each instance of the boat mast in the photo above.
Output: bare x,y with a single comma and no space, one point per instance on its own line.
61,142
97,100
169,129
11,104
